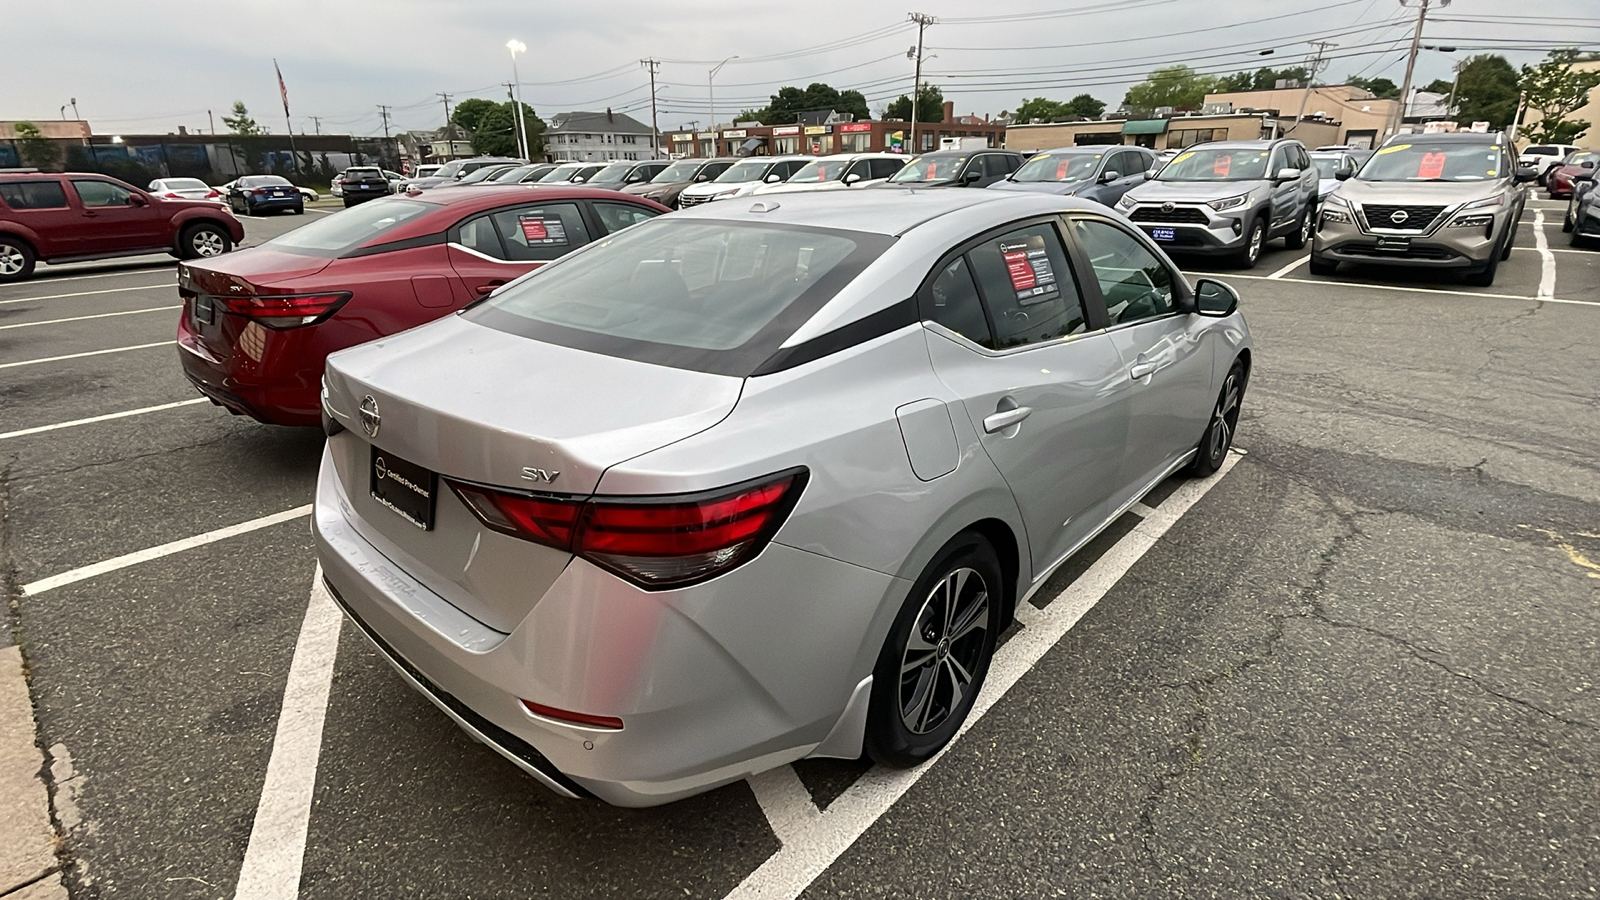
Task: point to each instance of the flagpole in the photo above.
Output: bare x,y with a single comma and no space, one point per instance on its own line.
283,91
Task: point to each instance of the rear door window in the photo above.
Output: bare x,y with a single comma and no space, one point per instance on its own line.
33,194
478,234
952,301
96,194
883,168
1028,287
543,232
617,216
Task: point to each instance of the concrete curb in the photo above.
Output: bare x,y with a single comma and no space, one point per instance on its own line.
28,867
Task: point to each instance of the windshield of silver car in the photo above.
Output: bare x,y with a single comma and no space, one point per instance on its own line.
1217,164
1058,167
929,168
1433,161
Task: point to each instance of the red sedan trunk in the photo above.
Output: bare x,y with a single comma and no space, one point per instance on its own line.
258,325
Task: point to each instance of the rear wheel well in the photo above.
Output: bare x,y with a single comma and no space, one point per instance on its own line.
999,536
1244,358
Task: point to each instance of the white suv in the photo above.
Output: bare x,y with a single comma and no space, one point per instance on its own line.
743,178
837,172
1544,156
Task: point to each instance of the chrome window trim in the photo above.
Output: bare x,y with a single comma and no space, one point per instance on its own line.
484,256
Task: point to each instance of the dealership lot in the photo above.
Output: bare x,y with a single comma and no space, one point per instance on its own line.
1359,663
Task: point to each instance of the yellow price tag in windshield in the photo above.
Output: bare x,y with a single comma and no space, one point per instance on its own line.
1183,156
1039,157
1395,149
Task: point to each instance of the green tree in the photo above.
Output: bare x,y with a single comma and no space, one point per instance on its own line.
789,102
1238,81
749,115
1555,90
468,113
1487,91
854,103
1436,86
35,149
930,106
495,133
1086,105
1179,87
1266,78
240,122
1381,88
1042,109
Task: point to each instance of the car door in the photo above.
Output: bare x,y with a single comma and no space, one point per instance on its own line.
491,248
1162,346
117,219
1286,201
40,205
1009,333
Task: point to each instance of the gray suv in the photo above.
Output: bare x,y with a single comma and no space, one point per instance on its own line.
1440,201
1228,198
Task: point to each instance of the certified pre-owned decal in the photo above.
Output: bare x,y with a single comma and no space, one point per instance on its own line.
382,470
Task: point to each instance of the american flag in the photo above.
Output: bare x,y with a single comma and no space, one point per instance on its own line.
283,89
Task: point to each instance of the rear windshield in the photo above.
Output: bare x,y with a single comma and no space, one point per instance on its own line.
363,173
186,184
1424,160
335,234
711,296
1058,167
1543,151
262,180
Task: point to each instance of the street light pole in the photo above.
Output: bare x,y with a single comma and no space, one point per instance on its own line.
923,20
516,46
711,95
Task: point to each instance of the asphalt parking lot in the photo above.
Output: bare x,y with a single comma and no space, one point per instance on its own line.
1361,662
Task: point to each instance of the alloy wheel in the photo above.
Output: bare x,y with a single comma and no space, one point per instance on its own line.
1305,229
1224,418
206,242
1258,234
11,260
943,650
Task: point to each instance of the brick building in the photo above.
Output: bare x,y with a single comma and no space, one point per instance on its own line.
754,139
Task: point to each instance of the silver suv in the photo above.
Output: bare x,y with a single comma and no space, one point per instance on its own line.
1440,201
1228,198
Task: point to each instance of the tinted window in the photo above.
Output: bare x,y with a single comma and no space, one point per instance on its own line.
713,296
713,170
1543,150
952,301
542,232
33,194
617,216
100,193
1028,287
332,235
883,168
1135,283
996,164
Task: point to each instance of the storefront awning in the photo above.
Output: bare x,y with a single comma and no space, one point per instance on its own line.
1145,126
750,145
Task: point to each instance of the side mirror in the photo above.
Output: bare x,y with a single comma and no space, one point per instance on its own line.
1109,176
774,178
1215,299
852,178
1152,172
1586,176
1526,174
578,179
1586,164
702,177
137,200
1287,173
1344,173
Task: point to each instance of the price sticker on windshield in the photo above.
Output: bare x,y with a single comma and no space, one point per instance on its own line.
1062,168
1221,165
543,229
933,169
1431,166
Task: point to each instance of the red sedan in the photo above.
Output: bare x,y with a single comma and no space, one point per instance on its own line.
258,324
1560,177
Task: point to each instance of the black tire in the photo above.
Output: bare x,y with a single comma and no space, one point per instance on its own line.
347,203
1579,241
1569,220
1484,277
1297,239
300,210
16,260
1255,236
1320,266
203,240
1511,239
902,730
1222,425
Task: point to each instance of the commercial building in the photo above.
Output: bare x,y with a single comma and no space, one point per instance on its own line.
1170,133
877,136
1363,119
586,136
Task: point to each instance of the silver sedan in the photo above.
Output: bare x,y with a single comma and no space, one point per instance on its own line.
761,480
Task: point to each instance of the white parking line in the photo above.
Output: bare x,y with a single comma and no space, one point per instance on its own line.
143,287
1395,287
276,853
135,270
50,359
812,839
126,312
1289,268
40,429
1547,274
73,576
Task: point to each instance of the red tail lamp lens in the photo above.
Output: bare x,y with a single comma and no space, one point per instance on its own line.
286,310
611,723
654,542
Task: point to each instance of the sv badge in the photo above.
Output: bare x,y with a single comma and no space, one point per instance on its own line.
544,475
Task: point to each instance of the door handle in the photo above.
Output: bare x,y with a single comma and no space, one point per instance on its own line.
1004,419
1140,370
90,214
488,287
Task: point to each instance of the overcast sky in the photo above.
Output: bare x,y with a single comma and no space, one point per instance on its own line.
148,67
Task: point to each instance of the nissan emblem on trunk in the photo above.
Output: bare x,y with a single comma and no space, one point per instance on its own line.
370,420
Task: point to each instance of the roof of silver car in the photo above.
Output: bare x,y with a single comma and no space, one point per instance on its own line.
878,212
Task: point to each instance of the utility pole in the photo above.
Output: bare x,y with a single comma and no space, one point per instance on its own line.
383,112
1311,78
446,98
653,66
317,121
1411,58
516,118
525,151
923,20
213,122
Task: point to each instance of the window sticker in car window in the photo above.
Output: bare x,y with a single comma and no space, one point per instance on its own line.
543,229
1221,165
933,169
1431,165
1183,156
1029,267
1062,168
1395,149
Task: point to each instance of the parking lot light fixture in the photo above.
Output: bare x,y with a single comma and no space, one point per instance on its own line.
711,95
516,46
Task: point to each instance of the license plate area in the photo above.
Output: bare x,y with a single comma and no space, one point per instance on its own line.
407,489
1394,244
205,309
1164,234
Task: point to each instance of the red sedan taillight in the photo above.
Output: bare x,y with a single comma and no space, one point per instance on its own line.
171,196
258,191
654,542
283,311
212,194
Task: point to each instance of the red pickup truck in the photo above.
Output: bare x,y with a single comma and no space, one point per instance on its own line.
77,216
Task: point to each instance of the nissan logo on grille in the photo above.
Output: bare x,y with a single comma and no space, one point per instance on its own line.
370,420
1399,216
